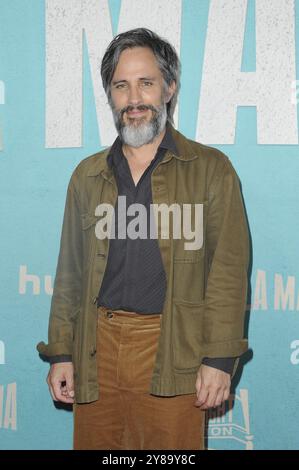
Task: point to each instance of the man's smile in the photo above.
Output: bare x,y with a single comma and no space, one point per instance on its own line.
136,112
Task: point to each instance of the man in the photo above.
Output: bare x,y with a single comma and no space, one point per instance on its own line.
144,333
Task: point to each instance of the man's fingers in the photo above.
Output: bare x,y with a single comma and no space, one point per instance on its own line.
50,387
218,392
52,393
214,399
57,390
58,393
219,398
206,403
212,386
202,396
207,397
61,382
70,386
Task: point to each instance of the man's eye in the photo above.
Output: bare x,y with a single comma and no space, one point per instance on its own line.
147,83
120,85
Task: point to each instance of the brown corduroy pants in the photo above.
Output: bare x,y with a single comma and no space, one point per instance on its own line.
126,415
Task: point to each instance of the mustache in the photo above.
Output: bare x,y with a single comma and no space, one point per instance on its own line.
141,107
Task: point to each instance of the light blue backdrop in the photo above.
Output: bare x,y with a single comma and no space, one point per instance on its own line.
33,181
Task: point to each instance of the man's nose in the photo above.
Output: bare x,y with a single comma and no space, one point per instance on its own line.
135,96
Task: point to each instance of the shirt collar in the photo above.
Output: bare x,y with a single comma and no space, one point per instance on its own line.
167,143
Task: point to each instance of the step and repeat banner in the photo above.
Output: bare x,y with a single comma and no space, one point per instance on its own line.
239,93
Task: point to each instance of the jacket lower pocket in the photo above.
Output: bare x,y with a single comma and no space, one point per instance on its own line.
187,334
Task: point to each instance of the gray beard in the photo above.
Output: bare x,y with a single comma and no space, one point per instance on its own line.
144,132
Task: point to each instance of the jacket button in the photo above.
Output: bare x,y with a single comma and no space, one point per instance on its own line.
93,352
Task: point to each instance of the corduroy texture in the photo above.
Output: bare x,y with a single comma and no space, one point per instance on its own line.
127,416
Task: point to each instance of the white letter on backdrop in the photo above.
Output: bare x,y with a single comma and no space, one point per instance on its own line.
269,88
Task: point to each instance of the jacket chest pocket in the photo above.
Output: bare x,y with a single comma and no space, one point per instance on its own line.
89,237
189,231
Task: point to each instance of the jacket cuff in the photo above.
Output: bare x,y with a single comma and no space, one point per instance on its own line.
54,349
60,358
232,348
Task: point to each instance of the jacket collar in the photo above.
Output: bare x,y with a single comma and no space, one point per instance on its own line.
185,152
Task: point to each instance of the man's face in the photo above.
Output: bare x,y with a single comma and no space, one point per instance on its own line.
139,97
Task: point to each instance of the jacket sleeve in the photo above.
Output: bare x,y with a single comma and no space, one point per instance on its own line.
227,242
66,297
60,358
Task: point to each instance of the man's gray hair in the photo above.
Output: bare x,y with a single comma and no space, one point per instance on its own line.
164,52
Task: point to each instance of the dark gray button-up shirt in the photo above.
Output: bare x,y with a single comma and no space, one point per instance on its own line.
134,278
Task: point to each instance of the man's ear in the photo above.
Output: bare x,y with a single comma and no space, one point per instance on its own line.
170,91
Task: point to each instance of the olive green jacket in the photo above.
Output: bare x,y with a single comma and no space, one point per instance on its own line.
205,302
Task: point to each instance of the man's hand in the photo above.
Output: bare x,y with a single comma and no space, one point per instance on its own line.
61,382
212,387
